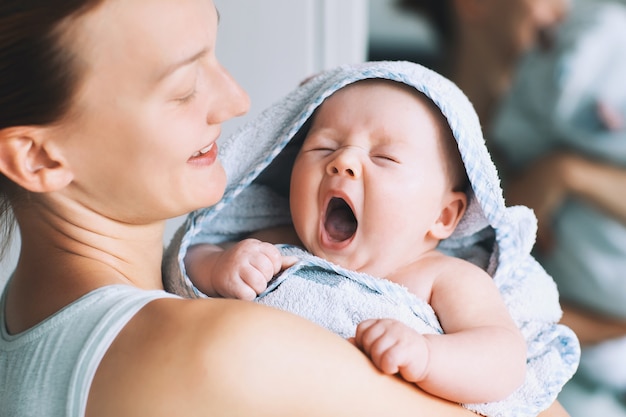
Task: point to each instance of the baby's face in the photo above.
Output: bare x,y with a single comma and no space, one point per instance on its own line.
369,178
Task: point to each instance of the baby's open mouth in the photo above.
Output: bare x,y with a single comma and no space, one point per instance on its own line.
340,222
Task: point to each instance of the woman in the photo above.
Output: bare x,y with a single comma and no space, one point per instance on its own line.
110,113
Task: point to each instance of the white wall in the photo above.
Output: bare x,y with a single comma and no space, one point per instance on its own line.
270,46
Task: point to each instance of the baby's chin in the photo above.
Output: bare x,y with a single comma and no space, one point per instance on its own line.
348,261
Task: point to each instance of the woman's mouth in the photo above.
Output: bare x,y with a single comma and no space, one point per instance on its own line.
205,156
340,222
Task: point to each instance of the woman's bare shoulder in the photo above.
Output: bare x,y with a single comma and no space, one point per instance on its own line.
168,355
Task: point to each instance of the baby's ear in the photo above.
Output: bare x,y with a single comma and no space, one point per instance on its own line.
452,211
29,160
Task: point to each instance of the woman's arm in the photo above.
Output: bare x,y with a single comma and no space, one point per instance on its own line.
599,183
592,328
228,357
545,184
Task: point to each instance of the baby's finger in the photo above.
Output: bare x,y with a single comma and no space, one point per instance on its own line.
254,278
288,262
272,254
367,332
381,352
241,291
391,358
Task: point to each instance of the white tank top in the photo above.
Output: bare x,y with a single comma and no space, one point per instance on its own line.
48,369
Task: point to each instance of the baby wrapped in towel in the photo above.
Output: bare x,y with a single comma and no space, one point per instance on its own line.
379,187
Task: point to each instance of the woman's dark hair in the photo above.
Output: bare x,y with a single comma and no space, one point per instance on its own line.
38,75
438,12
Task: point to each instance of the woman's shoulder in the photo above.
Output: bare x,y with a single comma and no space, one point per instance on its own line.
176,352
151,358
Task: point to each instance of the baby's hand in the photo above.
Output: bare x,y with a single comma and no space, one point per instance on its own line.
243,270
393,347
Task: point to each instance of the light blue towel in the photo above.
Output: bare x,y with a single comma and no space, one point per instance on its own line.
258,159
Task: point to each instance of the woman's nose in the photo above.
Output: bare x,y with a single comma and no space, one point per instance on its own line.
229,99
345,163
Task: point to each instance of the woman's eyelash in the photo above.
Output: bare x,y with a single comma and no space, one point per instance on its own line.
187,98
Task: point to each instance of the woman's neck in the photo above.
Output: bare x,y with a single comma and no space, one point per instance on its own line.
123,252
68,253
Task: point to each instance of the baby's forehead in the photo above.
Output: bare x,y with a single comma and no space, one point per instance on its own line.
375,85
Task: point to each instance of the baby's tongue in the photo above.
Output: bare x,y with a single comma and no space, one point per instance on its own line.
340,221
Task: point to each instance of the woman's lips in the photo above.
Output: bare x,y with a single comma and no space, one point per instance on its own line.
205,156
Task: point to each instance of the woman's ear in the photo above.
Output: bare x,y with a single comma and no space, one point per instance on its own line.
29,160
450,216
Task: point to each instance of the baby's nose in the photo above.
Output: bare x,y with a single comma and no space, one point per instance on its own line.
345,163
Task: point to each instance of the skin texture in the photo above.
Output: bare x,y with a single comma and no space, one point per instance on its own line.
102,181
378,146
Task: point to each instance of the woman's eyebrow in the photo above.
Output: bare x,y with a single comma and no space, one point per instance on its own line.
185,61
181,63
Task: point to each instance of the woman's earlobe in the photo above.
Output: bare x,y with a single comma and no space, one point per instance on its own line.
26,160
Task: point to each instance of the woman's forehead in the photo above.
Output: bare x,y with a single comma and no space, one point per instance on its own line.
155,33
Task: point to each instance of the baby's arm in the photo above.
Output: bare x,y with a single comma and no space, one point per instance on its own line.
240,270
480,358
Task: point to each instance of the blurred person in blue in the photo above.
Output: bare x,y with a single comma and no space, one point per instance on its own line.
561,137
478,43
547,79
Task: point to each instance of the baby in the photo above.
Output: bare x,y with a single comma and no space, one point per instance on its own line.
376,185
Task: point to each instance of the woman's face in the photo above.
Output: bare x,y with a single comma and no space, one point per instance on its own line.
514,26
140,140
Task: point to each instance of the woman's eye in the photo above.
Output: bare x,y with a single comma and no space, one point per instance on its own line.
187,98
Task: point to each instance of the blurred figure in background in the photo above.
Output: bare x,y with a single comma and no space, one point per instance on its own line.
549,85
562,135
481,41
